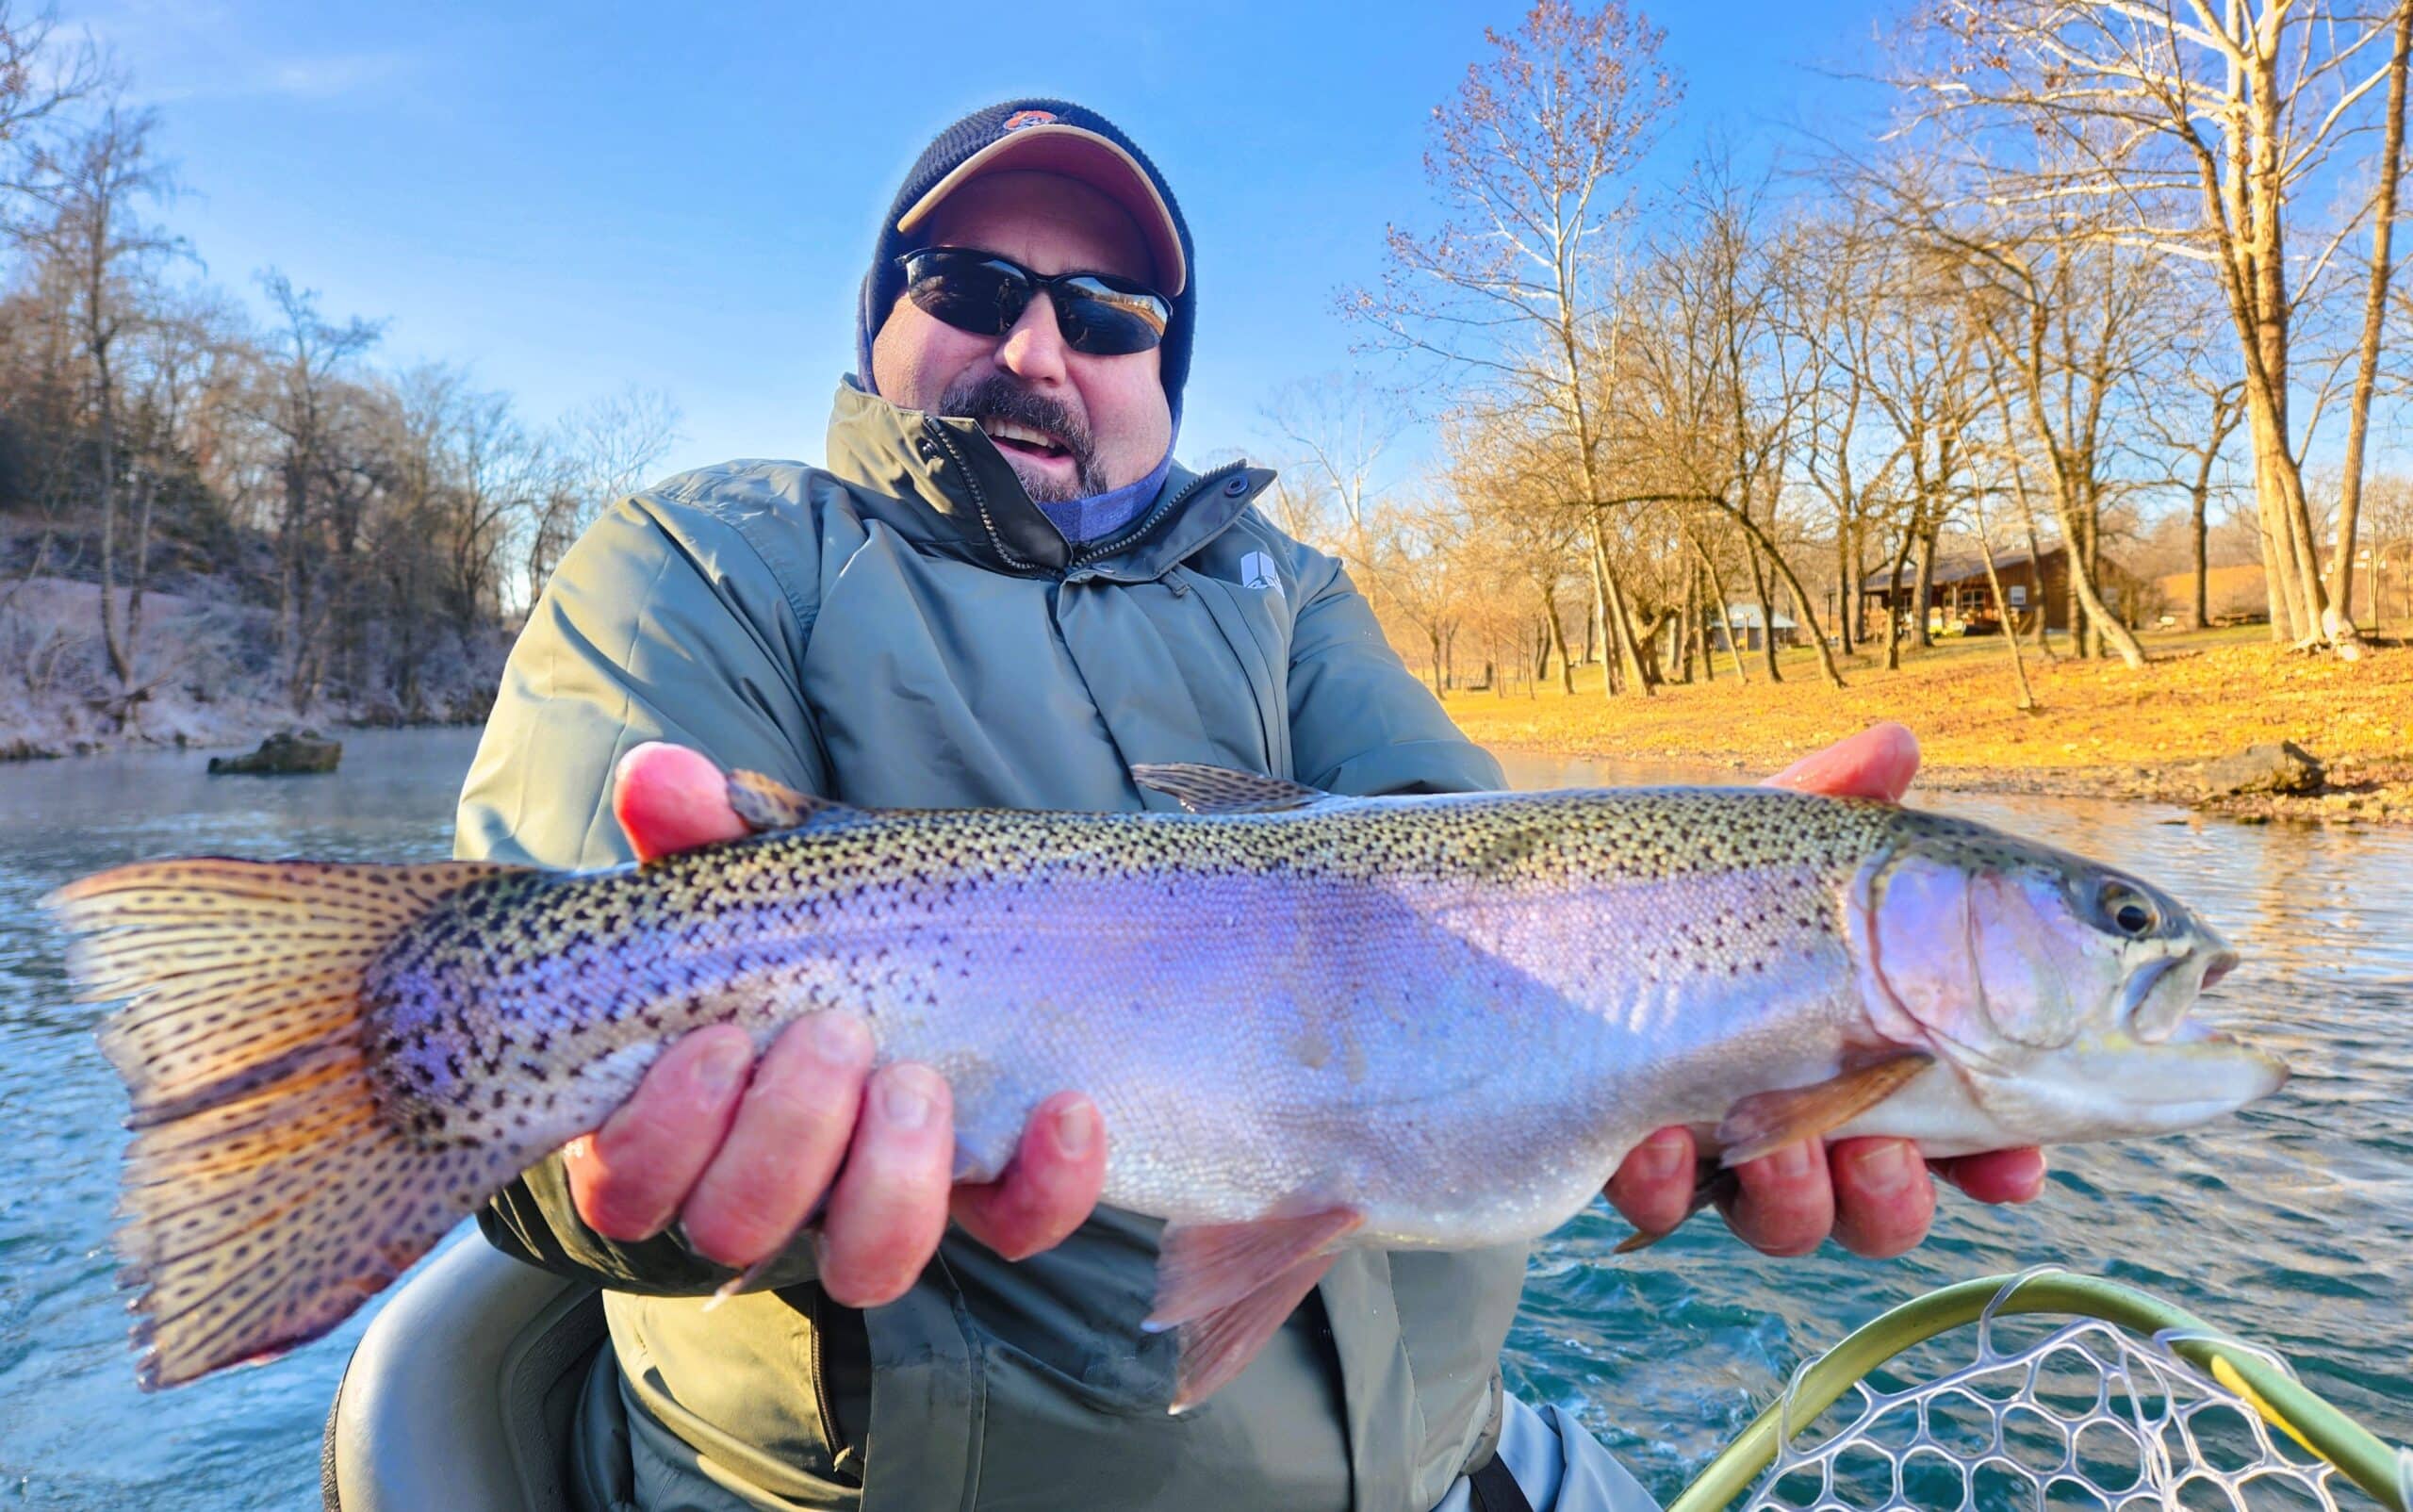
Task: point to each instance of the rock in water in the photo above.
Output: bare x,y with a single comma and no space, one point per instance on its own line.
2286,767
284,755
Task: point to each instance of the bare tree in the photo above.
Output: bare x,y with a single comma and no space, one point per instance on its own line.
2390,173
304,401
41,76
2196,130
1532,159
1334,431
95,189
607,448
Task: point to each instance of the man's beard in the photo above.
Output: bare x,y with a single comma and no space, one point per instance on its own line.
999,398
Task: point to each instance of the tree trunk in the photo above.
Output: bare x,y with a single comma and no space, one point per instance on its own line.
1847,583
2199,613
1557,640
1690,625
2082,584
1920,635
1725,618
1768,614
2010,633
1793,584
2392,168
1593,562
1638,674
1893,603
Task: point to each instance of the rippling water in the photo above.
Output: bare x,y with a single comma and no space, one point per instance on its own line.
2292,1224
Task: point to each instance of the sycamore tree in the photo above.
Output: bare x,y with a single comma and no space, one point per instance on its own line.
1532,162
2246,138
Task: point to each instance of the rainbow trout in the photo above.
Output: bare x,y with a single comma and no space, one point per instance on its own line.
1310,1022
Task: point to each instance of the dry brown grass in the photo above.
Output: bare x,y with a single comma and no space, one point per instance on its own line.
2201,696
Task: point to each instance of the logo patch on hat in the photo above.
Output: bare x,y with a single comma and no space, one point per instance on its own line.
1028,117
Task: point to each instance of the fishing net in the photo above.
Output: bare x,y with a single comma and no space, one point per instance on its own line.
2090,1415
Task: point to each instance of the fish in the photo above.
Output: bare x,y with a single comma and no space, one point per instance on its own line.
1312,1022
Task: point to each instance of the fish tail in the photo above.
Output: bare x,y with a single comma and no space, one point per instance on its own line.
265,1195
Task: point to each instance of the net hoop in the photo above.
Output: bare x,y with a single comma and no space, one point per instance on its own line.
2249,1375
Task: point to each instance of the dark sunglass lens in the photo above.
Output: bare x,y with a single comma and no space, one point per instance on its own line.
971,294
1106,321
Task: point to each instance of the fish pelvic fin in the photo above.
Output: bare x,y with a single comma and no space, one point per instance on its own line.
768,804
265,1195
1766,1122
1202,789
1230,1286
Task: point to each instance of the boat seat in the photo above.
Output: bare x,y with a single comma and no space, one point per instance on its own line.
461,1393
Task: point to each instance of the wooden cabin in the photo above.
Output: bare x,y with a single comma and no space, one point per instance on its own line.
1960,598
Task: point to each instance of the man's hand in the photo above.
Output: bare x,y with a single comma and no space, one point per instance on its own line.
1872,1194
740,1150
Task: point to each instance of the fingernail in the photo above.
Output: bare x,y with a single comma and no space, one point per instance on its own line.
1794,1163
903,1102
1883,1169
838,1039
1663,1155
723,1064
1076,1126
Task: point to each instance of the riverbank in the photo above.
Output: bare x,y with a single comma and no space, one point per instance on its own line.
209,676
48,734
2099,728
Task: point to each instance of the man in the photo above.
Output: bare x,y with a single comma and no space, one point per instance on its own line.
1002,590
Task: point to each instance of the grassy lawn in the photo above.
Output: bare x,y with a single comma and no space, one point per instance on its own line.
2205,693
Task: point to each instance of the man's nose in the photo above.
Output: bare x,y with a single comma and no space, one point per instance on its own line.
1033,350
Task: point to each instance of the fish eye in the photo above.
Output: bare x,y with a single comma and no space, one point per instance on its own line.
2129,911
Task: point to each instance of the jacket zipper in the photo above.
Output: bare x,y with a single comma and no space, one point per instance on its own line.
1148,522
980,500
1079,559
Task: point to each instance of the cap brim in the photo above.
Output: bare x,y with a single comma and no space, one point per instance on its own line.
1086,157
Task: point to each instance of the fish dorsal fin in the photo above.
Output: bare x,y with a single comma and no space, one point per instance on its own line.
768,804
1204,789
1769,1121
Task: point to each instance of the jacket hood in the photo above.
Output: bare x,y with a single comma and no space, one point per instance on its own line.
939,481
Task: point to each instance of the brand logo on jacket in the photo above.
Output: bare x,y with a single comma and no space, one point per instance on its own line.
1257,572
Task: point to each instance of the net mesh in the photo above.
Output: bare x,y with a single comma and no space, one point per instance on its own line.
2088,1416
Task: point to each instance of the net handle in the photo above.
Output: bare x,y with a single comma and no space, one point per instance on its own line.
2292,1405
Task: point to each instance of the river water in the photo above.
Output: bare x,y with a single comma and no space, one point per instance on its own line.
2292,1224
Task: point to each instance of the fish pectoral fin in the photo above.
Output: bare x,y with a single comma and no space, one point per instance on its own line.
1204,789
1200,1267
1767,1121
1230,1287
768,804
1712,1182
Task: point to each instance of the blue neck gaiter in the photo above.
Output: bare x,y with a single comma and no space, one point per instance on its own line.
1100,516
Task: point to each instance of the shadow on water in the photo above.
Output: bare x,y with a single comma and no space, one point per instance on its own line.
2292,1225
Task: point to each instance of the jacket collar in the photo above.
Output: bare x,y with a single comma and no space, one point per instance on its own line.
943,484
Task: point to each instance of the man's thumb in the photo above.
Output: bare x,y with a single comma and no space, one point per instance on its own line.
668,798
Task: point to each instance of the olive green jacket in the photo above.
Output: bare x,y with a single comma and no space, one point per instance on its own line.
904,628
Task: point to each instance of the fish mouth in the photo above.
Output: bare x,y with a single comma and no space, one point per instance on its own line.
2116,1084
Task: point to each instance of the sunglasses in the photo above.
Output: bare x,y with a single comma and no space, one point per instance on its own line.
985,294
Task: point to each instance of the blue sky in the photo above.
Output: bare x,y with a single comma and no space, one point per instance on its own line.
569,199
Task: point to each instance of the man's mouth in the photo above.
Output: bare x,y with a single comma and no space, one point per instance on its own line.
1024,441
